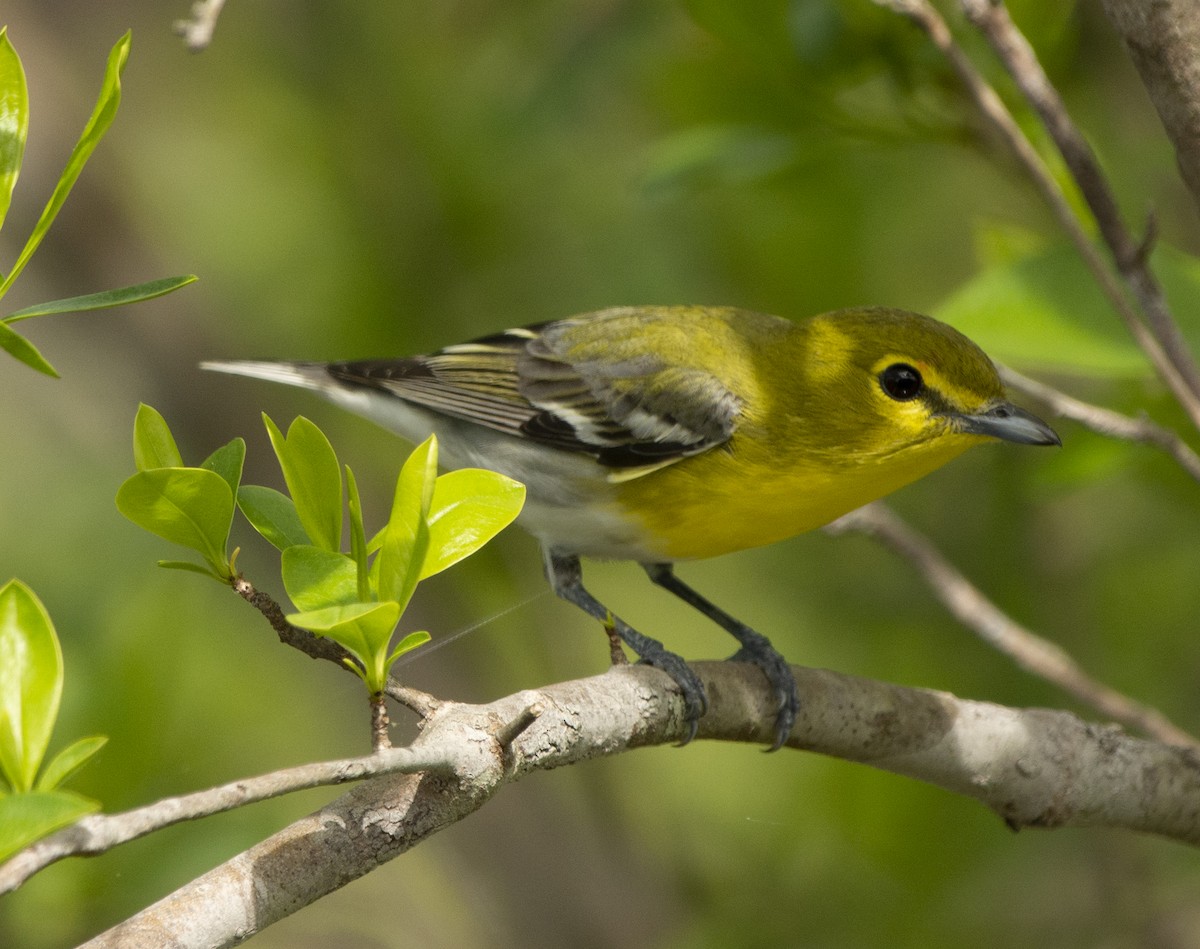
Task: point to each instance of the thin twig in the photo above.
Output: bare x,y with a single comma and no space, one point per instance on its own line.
979,614
510,731
98,833
380,723
1106,421
320,647
991,17
1001,121
420,703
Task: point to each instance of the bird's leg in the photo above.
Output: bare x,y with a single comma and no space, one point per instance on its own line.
566,578
756,648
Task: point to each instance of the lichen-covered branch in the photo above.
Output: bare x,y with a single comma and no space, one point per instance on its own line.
1033,767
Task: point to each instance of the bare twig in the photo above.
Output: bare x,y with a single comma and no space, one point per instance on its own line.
380,723
1002,123
1106,421
421,703
312,645
197,32
1034,767
979,614
510,731
101,832
321,647
992,19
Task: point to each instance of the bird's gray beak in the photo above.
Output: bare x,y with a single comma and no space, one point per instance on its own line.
1007,421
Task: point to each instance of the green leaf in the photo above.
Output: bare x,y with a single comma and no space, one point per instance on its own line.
470,506
316,578
153,444
31,678
25,818
1042,311
358,537
14,120
193,568
407,644
192,507
19,347
314,479
273,514
101,118
227,462
69,760
363,629
406,536
105,299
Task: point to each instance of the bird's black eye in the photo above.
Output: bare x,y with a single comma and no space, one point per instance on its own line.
901,381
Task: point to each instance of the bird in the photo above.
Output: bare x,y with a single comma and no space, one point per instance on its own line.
661,434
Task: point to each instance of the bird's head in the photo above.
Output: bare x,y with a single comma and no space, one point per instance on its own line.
889,382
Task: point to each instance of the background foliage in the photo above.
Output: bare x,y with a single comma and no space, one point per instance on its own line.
359,179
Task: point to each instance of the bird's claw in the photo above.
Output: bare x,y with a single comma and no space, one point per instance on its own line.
782,681
695,702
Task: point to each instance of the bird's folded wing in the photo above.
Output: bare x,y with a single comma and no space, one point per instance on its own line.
636,413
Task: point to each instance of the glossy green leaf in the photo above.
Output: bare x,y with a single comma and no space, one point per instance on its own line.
273,514
314,479
1043,312
189,567
69,760
470,506
358,537
99,122
25,818
192,507
31,677
316,578
104,299
153,444
364,629
406,536
20,348
407,644
14,120
227,462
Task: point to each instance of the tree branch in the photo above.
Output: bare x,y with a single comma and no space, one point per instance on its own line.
1031,652
1033,767
1000,120
1131,256
1163,39
1105,421
321,647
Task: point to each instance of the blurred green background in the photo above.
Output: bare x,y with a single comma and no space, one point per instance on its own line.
384,178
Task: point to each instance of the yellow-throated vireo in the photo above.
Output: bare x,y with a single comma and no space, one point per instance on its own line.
665,433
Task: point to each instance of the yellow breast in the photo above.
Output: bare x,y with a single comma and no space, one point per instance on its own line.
738,497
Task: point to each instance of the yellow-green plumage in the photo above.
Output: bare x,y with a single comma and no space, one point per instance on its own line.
659,434
818,441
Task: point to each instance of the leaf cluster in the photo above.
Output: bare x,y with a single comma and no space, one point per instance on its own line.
31,680
14,128
353,596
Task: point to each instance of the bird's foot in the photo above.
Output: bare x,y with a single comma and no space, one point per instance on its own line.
695,702
758,650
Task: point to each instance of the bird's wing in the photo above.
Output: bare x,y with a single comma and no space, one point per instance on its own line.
635,412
